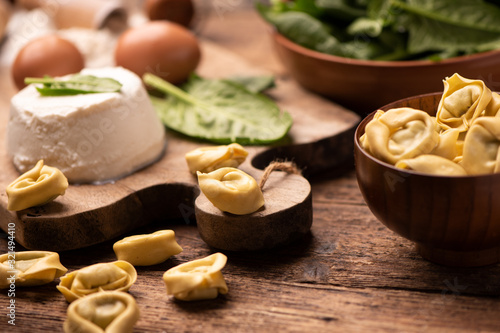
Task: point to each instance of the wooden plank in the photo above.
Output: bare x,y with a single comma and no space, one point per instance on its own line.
349,275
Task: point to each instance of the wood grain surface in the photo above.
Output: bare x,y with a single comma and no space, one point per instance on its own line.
351,274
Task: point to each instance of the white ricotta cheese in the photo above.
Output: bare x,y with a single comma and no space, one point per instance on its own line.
91,138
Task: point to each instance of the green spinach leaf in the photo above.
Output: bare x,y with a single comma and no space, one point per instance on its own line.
220,111
366,26
381,10
306,6
452,26
474,14
361,29
75,84
255,84
343,10
304,30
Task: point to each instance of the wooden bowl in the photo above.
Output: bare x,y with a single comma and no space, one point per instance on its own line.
454,221
363,85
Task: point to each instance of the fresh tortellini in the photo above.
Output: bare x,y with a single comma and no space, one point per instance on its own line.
117,275
105,311
450,145
432,164
29,268
208,159
482,146
463,101
400,133
145,250
231,190
198,279
465,140
36,187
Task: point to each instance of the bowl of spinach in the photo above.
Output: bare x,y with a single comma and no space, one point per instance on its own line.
364,54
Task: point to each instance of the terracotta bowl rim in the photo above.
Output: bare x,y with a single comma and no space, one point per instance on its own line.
290,45
365,120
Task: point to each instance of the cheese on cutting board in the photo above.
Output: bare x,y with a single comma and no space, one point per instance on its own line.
91,138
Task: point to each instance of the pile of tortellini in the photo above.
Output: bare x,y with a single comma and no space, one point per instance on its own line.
98,293
462,139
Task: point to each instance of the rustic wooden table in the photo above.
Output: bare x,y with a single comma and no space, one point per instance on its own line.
351,274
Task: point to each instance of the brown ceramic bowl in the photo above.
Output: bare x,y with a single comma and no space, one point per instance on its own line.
454,221
363,85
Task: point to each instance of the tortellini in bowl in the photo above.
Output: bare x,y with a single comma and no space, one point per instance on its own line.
464,129
428,168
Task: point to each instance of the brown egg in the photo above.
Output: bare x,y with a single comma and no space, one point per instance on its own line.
47,55
178,11
163,48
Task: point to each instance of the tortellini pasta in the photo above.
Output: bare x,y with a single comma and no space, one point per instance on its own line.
432,164
450,145
231,190
400,133
117,275
208,159
102,312
197,279
145,250
36,187
463,101
465,140
482,146
29,268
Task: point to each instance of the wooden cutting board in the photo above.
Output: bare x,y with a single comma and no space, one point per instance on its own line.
320,139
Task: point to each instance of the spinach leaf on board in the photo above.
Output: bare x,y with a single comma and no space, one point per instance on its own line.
255,84
75,84
220,111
